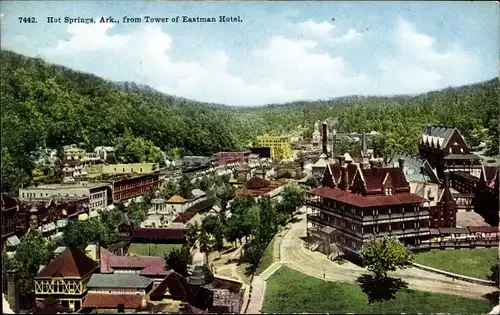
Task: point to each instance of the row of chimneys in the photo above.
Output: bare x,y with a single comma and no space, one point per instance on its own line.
324,140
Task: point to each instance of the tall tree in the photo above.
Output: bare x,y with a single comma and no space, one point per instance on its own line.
178,259
186,186
224,194
33,251
294,197
192,234
205,244
385,254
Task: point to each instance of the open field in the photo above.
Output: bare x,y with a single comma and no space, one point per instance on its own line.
151,249
468,262
291,291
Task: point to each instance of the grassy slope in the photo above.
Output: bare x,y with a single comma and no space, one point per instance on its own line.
151,249
267,257
291,291
469,262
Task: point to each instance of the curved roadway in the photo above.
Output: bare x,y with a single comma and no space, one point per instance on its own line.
294,255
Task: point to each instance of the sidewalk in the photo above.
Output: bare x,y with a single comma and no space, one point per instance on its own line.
257,293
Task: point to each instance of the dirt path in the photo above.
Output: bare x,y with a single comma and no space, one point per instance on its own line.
296,256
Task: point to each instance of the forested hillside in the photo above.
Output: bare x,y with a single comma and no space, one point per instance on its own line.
45,105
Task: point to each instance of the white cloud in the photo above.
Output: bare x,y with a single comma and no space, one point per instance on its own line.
351,35
419,66
321,30
283,70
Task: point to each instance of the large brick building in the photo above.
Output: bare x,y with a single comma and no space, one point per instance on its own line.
356,204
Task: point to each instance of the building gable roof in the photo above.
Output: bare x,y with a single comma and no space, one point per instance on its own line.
106,300
176,199
374,178
71,263
118,280
256,183
357,200
150,265
173,284
125,220
490,174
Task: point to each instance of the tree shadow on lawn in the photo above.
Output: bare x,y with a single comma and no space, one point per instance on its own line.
380,290
493,297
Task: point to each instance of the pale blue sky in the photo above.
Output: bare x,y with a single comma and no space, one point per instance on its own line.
282,51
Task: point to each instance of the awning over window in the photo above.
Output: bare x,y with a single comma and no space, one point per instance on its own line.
13,241
57,236
62,223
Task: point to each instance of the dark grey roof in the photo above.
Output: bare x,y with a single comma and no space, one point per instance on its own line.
125,220
439,131
462,157
118,280
453,231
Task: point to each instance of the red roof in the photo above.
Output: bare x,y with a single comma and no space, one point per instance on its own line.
71,263
374,177
256,183
167,234
110,300
348,197
151,266
185,216
484,229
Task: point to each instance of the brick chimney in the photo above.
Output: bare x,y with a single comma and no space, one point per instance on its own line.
401,163
334,140
341,160
13,291
344,185
446,184
324,138
363,144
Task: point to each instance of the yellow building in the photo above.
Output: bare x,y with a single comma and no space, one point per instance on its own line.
116,169
66,277
281,147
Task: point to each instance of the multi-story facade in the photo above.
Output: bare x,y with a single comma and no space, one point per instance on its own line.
48,216
9,217
225,158
120,169
486,195
281,146
96,192
349,210
65,278
446,149
129,187
424,182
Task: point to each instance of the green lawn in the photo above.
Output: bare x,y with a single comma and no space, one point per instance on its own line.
267,257
468,262
289,291
151,249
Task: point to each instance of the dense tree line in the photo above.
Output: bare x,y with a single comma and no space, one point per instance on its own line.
50,106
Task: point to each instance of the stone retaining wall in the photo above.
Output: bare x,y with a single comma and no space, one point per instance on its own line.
454,275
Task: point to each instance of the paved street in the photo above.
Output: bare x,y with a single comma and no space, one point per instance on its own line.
294,255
